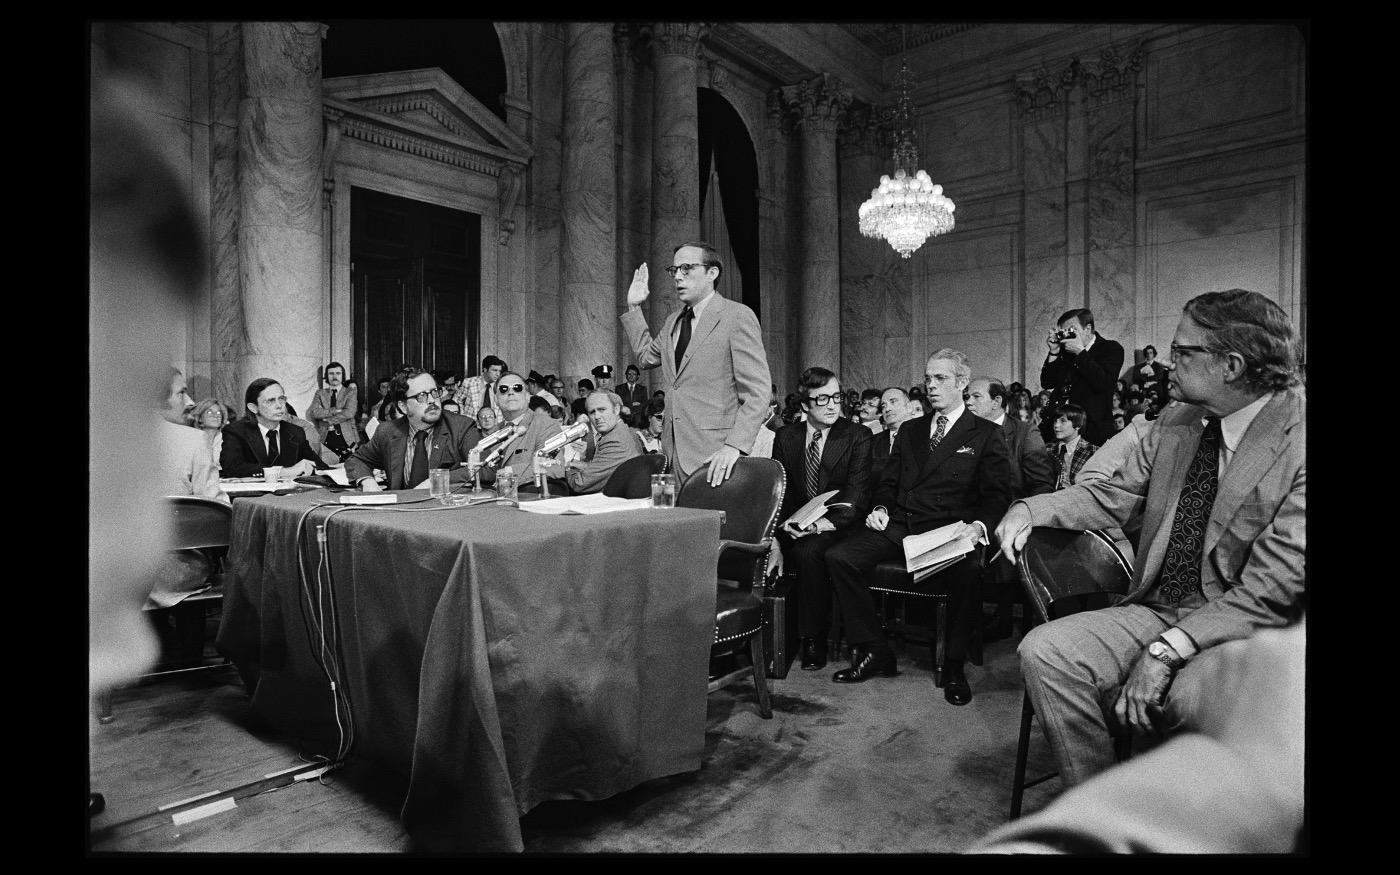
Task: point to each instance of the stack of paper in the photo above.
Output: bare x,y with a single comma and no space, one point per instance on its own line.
583,504
813,510
931,552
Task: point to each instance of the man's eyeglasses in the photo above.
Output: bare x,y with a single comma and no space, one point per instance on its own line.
1177,349
686,268
824,400
505,390
424,396
658,416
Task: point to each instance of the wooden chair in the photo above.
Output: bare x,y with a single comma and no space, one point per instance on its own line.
196,523
632,479
750,499
892,579
1063,572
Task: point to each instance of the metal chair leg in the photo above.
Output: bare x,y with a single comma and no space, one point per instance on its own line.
760,679
1023,744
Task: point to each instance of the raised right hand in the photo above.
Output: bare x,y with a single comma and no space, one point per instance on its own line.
639,290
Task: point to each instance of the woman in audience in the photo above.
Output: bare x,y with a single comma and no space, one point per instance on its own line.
651,435
209,417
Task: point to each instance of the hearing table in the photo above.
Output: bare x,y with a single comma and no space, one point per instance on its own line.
492,658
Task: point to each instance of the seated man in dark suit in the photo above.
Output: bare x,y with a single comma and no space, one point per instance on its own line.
425,437
820,453
895,408
1030,475
947,467
264,437
531,430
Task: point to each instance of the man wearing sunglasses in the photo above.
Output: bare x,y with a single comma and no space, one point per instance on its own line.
712,362
423,438
519,452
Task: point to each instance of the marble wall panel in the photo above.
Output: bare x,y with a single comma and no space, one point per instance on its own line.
962,140
160,67
987,351
1199,87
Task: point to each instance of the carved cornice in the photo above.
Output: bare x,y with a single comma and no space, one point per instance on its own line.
1111,75
677,37
818,103
717,72
865,130
428,103
1043,93
424,147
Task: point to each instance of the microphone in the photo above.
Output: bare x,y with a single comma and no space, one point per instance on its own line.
495,437
567,436
514,432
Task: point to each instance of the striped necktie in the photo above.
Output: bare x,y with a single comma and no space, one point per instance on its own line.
938,432
814,463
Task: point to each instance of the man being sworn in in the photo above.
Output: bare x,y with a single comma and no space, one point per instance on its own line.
713,367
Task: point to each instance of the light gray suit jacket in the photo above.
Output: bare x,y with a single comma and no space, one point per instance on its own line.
718,393
341,416
1253,569
611,450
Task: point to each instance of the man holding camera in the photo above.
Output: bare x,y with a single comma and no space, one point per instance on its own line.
1081,369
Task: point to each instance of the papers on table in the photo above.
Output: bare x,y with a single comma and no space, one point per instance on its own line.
814,510
584,504
932,551
249,485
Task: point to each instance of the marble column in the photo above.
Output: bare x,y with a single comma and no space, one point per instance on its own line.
819,104
279,185
587,314
1110,90
633,133
773,242
226,300
1043,96
675,181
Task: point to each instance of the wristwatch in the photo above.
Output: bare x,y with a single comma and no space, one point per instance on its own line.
1166,654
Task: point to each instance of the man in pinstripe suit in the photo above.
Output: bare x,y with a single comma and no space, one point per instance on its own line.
1220,482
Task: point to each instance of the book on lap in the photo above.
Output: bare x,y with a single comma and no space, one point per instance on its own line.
928,553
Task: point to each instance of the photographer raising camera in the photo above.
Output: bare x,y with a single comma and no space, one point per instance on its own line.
1081,369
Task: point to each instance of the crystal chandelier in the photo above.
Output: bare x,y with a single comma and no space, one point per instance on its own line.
908,209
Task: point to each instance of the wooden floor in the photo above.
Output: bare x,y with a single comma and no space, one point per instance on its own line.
886,766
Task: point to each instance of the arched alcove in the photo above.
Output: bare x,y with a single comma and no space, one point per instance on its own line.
726,146
468,51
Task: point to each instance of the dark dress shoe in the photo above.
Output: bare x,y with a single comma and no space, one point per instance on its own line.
96,803
867,666
813,654
955,686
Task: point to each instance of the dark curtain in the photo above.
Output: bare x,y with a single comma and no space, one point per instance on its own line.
725,142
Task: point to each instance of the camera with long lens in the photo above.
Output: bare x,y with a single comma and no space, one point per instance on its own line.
1063,334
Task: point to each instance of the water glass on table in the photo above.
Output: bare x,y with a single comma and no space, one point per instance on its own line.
663,490
272,475
439,486
506,485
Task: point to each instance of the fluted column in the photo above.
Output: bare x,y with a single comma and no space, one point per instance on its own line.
587,314
819,103
675,181
279,194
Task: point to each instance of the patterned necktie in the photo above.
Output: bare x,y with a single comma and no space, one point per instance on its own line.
937,438
814,464
687,314
273,451
419,471
1063,480
1181,569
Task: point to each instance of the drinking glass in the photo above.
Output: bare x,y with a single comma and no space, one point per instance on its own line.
438,485
505,484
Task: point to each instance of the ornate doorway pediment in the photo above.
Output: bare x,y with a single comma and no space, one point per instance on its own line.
425,113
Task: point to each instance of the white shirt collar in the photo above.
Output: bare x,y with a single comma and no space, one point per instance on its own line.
1233,427
952,418
700,307
1001,418
264,429
1072,444
820,431
1093,339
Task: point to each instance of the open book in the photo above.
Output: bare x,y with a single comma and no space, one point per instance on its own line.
932,551
814,510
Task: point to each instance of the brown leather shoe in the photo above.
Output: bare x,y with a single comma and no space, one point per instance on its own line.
866,666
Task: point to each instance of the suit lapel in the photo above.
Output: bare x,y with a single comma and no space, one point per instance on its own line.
838,440
668,349
1259,448
950,443
1157,514
704,325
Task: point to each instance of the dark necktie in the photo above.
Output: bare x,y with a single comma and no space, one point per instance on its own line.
814,463
273,451
1063,480
894,432
687,314
1181,569
937,438
332,397
419,471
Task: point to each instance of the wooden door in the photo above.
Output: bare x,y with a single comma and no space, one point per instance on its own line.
416,274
